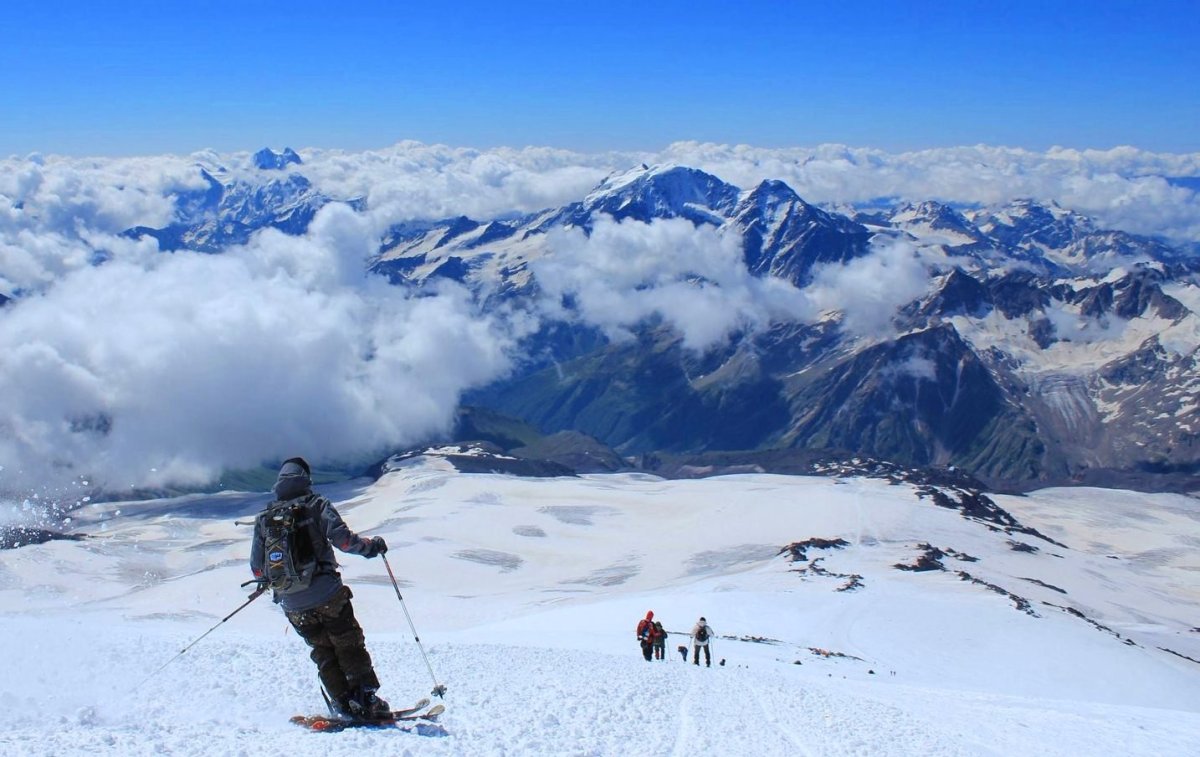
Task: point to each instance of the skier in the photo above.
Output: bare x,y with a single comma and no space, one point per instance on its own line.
312,594
701,634
645,631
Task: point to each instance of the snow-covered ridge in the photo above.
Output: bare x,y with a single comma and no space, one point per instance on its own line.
526,591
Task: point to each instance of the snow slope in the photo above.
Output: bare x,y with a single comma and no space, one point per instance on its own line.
526,592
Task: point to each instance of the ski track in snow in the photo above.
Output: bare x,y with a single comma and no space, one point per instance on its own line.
538,667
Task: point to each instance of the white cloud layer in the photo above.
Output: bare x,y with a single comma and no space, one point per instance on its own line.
1122,188
155,368
169,369
56,212
414,180
692,277
869,290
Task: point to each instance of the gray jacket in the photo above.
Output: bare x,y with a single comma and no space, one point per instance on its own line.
328,530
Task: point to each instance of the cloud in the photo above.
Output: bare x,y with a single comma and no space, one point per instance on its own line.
1124,188
694,278
414,180
153,367
147,373
57,214
691,276
869,290
54,211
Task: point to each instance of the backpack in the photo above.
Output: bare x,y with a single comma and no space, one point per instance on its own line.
702,634
658,634
290,554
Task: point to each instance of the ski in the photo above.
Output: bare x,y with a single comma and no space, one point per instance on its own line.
399,719
419,705
430,715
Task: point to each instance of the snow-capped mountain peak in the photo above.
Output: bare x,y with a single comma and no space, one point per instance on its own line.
936,215
663,191
267,159
1025,221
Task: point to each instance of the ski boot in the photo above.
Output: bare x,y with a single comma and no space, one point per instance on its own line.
364,704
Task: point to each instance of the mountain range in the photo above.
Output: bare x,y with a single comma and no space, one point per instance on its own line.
1042,349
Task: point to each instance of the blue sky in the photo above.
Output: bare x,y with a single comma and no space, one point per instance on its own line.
128,78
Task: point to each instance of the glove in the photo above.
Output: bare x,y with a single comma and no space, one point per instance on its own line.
376,546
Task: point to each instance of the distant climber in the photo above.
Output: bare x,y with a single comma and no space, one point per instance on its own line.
702,634
659,641
645,635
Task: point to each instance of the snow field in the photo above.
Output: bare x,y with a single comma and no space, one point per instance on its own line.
233,696
526,593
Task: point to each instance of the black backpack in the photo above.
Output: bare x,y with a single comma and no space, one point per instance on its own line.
702,634
290,556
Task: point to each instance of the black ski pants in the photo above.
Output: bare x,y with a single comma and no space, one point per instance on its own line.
338,646
696,654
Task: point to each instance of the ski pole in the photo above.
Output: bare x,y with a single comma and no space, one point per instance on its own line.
262,587
438,689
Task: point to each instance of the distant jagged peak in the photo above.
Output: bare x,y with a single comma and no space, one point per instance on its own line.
665,190
769,195
937,214
1028,207
267,159
774,199
958,292
1034,227
1029,214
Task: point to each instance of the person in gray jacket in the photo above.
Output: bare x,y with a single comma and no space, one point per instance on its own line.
312,594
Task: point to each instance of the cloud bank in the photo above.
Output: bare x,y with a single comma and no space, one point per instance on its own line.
168,369
692,277
154,368
1122,188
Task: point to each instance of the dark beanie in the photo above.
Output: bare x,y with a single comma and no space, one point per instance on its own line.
294,479
298,461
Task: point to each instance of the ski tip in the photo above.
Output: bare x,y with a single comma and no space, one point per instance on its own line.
415,707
